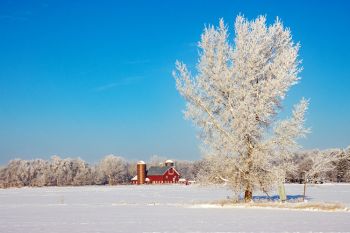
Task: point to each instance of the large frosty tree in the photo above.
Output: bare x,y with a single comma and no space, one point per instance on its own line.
235,98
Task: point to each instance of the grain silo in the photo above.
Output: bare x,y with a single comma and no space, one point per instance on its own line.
141,172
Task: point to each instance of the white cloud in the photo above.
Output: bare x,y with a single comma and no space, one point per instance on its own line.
123,82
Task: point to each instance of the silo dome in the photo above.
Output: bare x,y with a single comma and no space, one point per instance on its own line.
169,163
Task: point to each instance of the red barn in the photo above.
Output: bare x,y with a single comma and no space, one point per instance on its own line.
163,175
159,174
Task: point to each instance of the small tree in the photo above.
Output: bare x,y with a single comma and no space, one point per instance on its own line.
235,98
318,164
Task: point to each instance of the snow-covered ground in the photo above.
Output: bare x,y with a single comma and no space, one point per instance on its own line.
160,208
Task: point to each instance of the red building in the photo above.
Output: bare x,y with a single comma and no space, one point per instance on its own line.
157,174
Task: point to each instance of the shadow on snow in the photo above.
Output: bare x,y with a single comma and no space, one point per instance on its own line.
291,198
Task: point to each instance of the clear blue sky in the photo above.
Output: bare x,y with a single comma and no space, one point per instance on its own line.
90,78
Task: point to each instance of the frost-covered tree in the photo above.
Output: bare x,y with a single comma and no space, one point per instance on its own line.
37,172
82,172
235,97
347,173
20,173
131,169
317,164
186,169
112,170
10,174
342,166
65,172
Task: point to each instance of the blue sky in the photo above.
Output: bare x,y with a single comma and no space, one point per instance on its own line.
90,78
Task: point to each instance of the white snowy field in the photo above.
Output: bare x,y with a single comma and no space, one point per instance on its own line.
160,208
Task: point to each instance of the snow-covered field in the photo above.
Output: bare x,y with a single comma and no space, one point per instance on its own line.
160,208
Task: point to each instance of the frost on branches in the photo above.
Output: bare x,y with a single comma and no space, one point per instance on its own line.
235,98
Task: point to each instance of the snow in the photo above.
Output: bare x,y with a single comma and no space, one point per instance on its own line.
160,208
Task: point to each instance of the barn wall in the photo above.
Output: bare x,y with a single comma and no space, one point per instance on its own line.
170,176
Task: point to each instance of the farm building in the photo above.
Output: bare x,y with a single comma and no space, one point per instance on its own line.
163,174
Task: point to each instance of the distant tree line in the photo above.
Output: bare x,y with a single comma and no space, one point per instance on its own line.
64,172
114,170
310,165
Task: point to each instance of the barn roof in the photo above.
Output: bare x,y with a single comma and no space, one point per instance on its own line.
154,171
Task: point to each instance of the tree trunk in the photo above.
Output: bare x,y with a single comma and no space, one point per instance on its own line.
304,191
248,194
305,181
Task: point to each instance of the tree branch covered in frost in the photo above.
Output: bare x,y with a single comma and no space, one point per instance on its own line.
235,97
